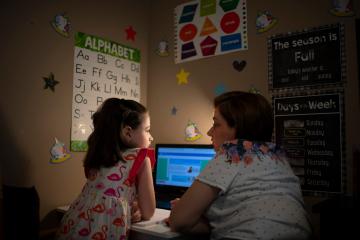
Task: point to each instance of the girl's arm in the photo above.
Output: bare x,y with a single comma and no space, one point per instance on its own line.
186,215
145,190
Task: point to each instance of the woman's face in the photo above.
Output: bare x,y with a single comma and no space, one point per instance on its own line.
220,131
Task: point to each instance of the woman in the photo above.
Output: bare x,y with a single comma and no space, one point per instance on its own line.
248,191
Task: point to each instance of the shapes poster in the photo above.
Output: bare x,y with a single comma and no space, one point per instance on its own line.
102,69
206,28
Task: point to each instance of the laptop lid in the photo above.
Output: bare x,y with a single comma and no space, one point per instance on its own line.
176,167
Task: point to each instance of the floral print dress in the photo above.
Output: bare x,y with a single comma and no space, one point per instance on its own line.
102,210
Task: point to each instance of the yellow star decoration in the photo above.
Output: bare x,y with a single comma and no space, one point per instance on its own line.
182,77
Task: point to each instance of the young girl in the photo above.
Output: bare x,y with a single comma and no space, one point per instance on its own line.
118,167
248,191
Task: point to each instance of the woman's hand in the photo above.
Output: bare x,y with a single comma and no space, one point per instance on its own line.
172,205
173,202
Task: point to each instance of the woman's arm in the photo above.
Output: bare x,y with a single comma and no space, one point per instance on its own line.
187,213
201,227
145,190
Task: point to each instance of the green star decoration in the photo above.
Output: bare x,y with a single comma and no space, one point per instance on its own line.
50,82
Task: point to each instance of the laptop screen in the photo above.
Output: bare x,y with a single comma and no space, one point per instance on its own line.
177,165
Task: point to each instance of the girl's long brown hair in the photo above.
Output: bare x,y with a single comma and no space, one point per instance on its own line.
104,143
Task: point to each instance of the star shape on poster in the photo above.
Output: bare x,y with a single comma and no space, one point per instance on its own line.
130,33
182,77
50,82
174,110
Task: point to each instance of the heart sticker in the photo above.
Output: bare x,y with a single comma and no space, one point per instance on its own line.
239,65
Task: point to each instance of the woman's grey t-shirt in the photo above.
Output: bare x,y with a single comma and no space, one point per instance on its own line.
260,196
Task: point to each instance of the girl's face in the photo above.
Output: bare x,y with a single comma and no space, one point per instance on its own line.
220,131
141,137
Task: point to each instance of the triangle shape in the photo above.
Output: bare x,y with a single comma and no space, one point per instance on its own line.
208,28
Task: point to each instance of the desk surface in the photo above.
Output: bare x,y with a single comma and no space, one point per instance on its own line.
152,229
134,235
156,225
146,230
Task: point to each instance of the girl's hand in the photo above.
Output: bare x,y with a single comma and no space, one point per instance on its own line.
135,212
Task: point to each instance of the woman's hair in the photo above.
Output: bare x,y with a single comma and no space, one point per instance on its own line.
105,143
250,114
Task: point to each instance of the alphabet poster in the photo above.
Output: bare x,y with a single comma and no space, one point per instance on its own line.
102,69
206,28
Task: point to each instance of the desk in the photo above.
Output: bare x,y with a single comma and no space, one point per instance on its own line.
142,233
155,227
135,235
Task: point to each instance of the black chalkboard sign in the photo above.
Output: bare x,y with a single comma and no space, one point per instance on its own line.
310,57
309,128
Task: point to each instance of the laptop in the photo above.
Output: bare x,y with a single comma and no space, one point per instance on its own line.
176,167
